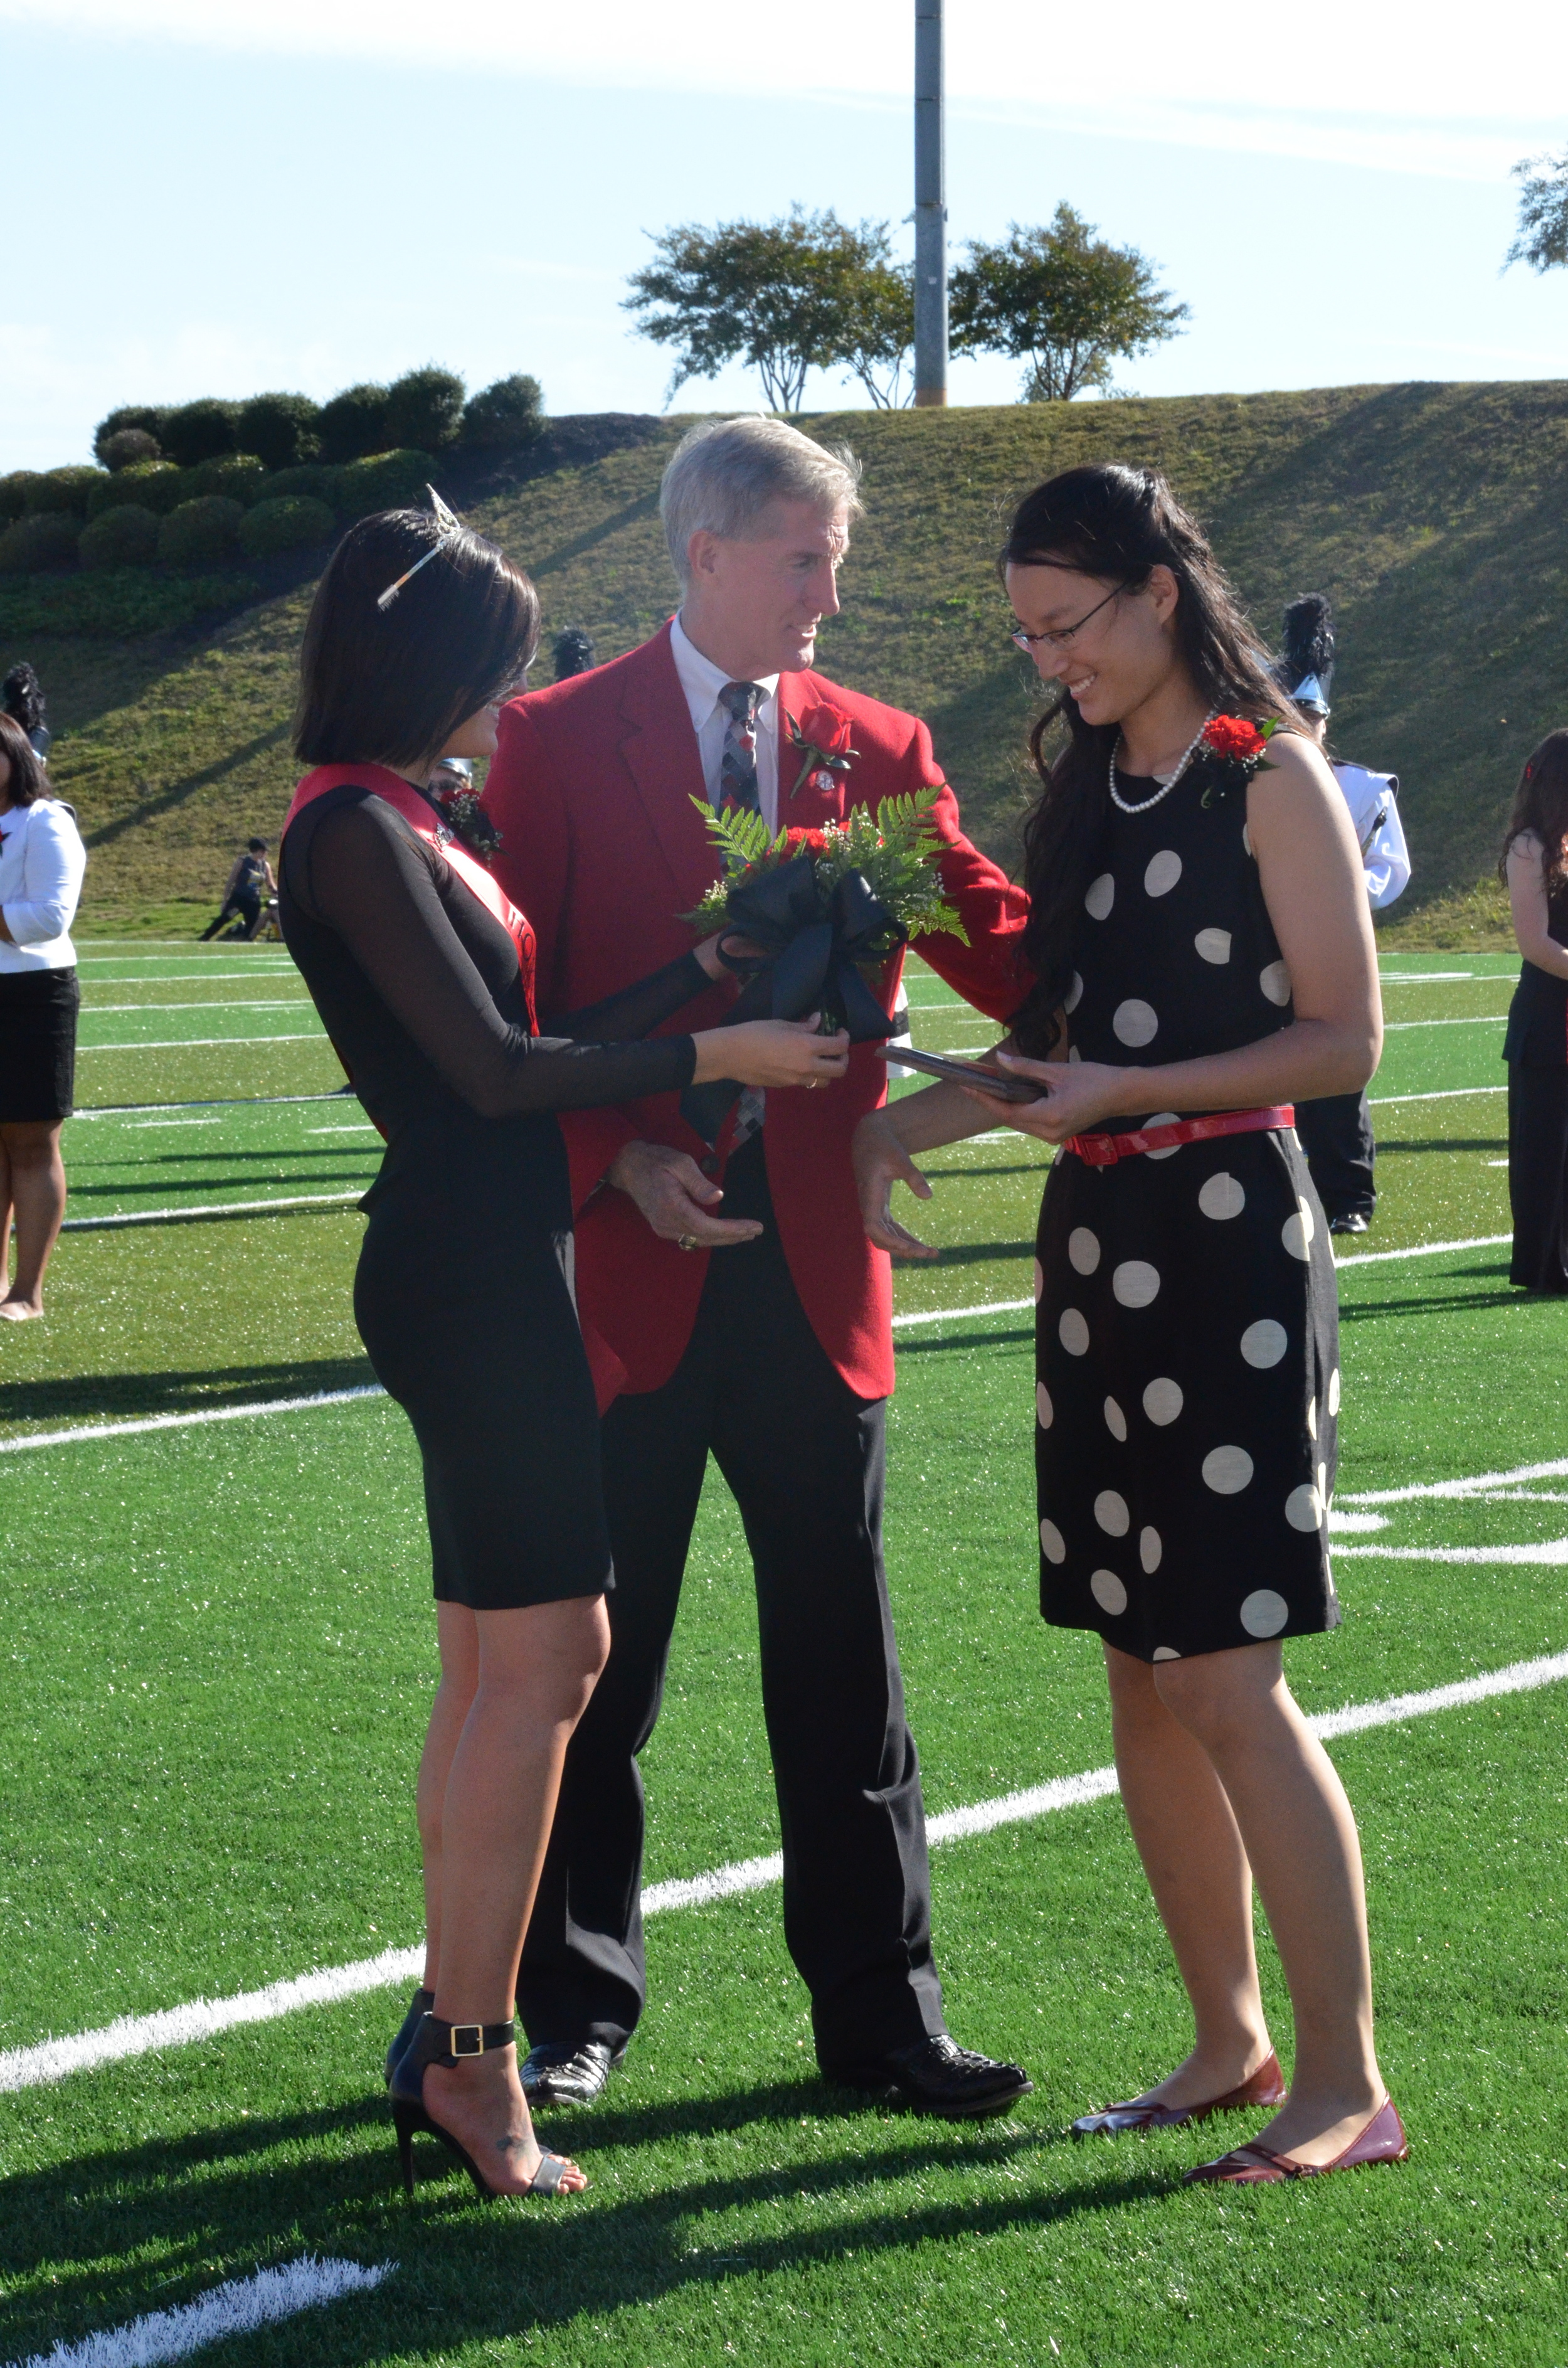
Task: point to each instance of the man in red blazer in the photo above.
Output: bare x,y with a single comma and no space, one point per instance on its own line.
729,1297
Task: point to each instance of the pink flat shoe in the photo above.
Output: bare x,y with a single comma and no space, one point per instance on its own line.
1264,2087
1383,2140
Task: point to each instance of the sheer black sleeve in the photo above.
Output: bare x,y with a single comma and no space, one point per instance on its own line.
366,876
636,1010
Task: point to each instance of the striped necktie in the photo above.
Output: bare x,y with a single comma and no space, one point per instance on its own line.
737,766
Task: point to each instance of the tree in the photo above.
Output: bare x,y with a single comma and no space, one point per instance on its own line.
1543,240
1061,299
875,331
775,295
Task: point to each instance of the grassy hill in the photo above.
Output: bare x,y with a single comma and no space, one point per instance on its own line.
1436,518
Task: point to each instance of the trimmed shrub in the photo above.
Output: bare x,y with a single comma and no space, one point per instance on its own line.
291,523
313,479
128,446
198,532
425,410
388,481
126,536
200,431
239,474
43,541
353,424
62,489
153,485
148,417
506,415
280,428
14,492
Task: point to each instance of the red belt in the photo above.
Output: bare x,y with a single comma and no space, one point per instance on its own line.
1105,1150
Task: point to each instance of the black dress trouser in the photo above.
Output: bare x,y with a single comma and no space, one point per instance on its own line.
1336,1134
803,1458
1538,1176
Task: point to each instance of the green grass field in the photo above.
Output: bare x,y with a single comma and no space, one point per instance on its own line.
220,1652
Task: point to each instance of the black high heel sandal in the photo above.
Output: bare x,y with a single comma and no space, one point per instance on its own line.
448,2043
420,2006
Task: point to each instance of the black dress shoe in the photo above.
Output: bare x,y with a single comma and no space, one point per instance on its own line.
937,2076
1349,1220
560,2074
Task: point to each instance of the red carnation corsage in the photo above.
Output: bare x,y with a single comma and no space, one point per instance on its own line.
1235,749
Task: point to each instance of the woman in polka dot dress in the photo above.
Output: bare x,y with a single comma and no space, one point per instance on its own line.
1202,958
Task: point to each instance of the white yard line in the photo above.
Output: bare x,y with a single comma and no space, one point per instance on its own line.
1485,1020
189,1043
1433,1491
236,2309
212,1101
1423,1250
1553,1550
55,2059
213,1209
139,1423
208,1003
1445,1094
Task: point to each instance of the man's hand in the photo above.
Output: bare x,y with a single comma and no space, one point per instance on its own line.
881,1161
676,1197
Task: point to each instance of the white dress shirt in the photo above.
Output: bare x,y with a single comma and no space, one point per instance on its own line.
42,862
702,681
1374,800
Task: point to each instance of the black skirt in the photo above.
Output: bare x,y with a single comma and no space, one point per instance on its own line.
37,1045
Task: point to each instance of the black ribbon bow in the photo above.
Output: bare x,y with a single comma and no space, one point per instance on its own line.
811,949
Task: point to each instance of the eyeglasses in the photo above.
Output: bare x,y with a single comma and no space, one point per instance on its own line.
1059,639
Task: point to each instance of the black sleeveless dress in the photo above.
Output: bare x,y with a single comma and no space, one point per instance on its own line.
1536,1049
1188,1334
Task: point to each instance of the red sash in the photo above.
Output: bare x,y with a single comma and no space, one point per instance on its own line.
1105,1150
420,816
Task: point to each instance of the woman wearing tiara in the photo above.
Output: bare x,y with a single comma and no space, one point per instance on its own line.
423,973
1200,941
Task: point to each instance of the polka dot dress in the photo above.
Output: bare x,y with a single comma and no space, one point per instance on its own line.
1188,1363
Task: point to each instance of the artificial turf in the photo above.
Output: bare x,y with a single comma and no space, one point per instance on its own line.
220,1653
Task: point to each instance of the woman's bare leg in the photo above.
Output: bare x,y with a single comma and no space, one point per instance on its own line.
536,1671
1198,1870
1299,1837
4,1217
36,1179
459,1641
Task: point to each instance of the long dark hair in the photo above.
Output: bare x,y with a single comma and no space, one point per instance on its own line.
391,686
28,779
1115,523
21,696
1540,804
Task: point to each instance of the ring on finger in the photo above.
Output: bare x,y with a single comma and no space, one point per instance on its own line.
687,1241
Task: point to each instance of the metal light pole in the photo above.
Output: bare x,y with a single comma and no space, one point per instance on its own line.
930,208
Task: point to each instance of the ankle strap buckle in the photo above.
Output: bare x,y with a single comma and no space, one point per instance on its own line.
466,2039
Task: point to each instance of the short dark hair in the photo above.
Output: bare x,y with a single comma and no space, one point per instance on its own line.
256,847
21,695
28,779
391,686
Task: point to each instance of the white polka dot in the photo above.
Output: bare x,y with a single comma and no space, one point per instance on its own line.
1075,994
1038,1282
1135,1284
1163,1118
1109,1593
1082,1250
1312,1417
1247,841
1099,897
1323,1482
1045,1412
1221,1197
1111,1513
1163,871
1074,1053
1163,1400
1149,1549
1135,1022
1227,1470
1165,1653
1297,1232
1275,981
1214,945
1334,1390
1265,1614
1303,1508
1264,1343
1072,1332
1052,1544
1115,1420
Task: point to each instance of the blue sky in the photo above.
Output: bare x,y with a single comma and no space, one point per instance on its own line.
271,193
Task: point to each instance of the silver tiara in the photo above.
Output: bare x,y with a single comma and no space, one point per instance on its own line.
451,526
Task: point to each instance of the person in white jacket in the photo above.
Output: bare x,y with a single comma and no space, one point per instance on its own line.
1336,1133
42,862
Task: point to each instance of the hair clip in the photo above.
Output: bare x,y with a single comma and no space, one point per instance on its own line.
450,525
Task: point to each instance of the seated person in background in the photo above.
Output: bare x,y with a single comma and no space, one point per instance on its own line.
251,879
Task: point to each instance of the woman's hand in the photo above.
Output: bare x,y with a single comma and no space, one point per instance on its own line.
1075,1096
880,1162
772,1052
707,954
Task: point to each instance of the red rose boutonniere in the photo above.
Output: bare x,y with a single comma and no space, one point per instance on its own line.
466,819
820,760
1234,748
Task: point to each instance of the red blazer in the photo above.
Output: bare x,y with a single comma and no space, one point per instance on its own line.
592,790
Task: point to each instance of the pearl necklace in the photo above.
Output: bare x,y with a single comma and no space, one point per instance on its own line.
1171,779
